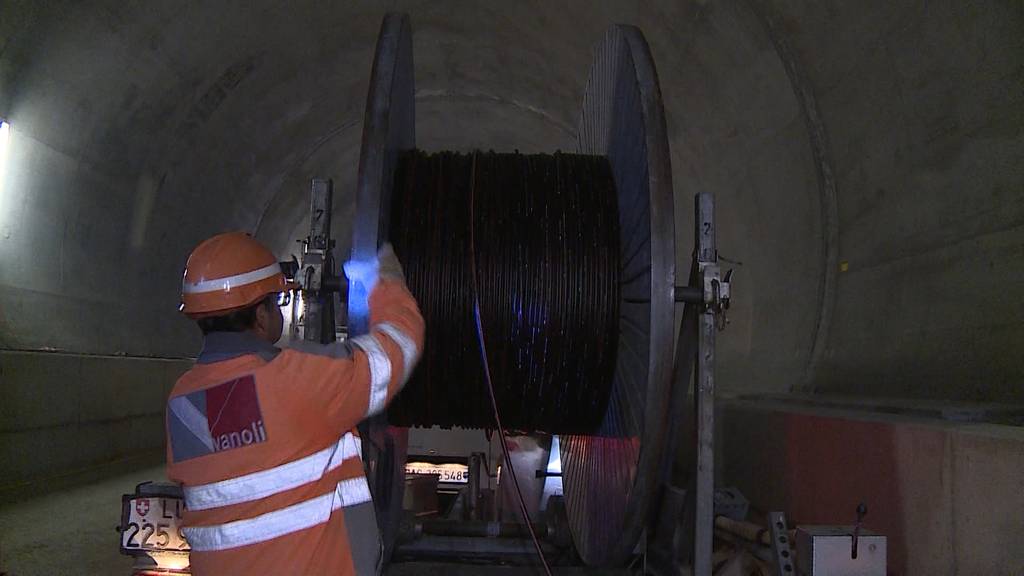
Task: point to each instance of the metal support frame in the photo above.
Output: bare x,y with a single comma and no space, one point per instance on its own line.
316,274
687,538
472,502
704,386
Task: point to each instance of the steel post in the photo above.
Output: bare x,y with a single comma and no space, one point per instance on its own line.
704,393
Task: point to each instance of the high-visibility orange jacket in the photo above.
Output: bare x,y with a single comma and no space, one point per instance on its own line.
263,442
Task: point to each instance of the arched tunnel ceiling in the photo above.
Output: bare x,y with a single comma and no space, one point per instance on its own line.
141,129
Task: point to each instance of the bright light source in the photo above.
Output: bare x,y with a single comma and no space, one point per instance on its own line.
286,311
293,313
170,560
552,484
5,139
555,458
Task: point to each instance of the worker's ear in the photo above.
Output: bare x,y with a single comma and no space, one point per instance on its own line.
262,320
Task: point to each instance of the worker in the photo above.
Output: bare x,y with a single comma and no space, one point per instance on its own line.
263,440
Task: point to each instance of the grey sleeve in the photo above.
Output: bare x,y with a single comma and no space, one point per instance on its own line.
364,538
339,350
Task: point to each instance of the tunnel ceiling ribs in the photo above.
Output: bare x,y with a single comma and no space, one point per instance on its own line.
828,195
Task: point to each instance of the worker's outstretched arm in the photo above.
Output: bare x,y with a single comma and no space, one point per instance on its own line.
359,377
396,329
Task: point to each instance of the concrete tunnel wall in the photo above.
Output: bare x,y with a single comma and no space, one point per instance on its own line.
139,130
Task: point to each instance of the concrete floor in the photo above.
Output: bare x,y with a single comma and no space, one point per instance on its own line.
69,531
444,569
72,530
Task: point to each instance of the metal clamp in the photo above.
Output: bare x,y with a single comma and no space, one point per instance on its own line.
290,269
716,292
780,543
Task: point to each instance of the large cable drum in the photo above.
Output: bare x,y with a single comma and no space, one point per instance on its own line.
610,476
595,255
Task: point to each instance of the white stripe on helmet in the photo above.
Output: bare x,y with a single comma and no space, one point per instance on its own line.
226,284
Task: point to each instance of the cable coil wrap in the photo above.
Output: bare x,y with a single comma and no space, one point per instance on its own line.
547,258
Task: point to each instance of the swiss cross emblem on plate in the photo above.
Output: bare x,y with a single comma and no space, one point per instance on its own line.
142,506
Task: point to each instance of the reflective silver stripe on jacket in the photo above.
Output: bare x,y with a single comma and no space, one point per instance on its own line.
274,480
278,523
409,352
380,372
193,420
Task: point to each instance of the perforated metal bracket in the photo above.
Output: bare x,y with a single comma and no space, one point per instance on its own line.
781,544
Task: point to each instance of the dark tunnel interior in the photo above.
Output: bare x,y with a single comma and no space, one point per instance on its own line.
865,159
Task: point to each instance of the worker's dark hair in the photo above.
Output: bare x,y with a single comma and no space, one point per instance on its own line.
237,321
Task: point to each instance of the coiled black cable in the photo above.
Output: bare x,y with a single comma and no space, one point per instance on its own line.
547,266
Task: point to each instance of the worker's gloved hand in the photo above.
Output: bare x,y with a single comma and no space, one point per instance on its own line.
363,272
368,272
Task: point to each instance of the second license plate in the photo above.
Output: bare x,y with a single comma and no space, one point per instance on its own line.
152,524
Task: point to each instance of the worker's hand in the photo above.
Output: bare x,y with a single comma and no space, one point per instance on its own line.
367,272
390,267
363,272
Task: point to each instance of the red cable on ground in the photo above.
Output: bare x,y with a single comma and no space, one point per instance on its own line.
487,374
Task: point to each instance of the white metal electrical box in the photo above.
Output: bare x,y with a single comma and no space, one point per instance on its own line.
829,551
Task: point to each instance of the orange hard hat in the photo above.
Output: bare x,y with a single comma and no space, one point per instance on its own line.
229,272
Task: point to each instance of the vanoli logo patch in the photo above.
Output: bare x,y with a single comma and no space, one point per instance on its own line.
224,417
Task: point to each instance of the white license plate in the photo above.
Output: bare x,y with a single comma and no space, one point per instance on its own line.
446,473
152,524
